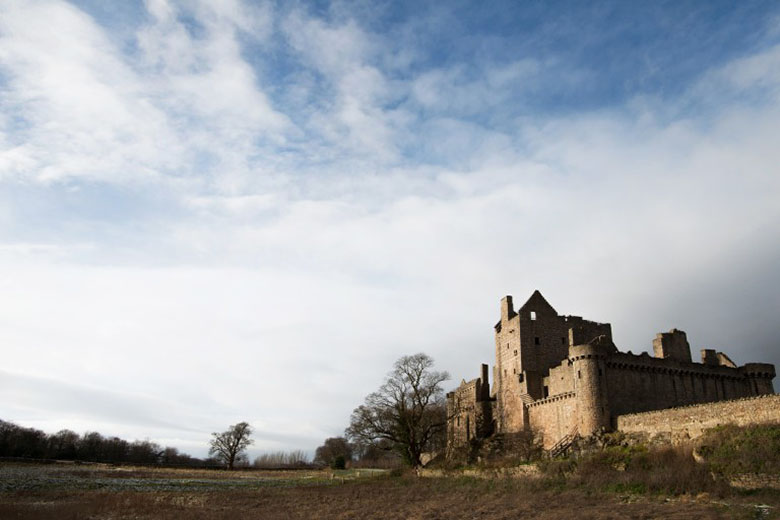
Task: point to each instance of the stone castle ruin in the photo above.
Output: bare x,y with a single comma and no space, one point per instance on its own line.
561,377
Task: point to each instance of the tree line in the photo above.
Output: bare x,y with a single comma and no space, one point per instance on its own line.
21,442
400,422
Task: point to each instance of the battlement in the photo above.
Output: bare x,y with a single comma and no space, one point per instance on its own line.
552,399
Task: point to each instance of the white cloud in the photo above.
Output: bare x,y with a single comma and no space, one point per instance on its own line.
82,107
355,121
89,111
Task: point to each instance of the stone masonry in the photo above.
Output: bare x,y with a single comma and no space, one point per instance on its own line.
562,377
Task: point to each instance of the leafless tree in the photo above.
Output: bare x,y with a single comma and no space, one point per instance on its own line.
229,445
282,459
408,410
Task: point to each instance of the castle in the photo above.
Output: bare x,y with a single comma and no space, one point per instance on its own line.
562,377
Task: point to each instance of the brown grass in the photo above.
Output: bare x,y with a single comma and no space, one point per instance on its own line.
404,497
666,470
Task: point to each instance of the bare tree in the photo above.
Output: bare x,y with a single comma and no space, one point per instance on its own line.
282,459
229,445
408,410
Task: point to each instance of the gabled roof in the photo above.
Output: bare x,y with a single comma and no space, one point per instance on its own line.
535,302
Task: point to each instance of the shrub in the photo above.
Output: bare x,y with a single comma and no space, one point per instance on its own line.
339,462
637,469
732,450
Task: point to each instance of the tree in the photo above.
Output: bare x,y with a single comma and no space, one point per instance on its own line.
408,410
63,445
335,452
282,459
229,445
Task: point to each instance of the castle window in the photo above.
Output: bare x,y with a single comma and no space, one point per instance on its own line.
515,352
579,376
514,371
536,340
533,315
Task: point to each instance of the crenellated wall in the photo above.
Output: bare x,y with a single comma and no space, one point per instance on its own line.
638,383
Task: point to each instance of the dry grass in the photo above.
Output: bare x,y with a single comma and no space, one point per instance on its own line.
307,495
666,470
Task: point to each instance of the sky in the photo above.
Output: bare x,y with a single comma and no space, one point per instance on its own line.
216,211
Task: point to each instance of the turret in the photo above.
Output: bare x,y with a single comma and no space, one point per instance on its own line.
672,345
590,386
760,376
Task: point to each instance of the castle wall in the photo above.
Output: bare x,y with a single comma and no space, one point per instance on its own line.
461,407
553,418
584,331
689,422
641,383
469,412
560,380
544,336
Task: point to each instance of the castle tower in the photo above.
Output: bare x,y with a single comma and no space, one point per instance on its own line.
759,376
672,345
590,387
506,385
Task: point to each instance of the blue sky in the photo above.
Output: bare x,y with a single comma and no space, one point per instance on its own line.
222,211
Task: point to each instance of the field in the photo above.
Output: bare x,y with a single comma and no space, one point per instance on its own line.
29,491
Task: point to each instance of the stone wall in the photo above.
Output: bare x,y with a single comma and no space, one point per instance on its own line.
543,336
688,422
638,383
553,418
469,412
560,380
506,382
462,411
